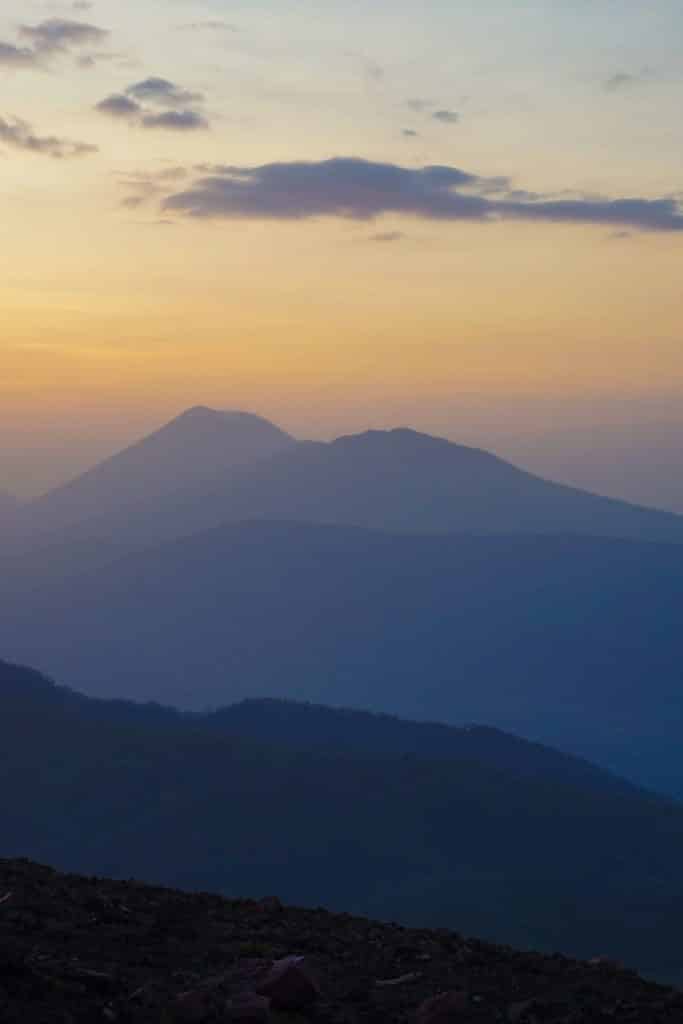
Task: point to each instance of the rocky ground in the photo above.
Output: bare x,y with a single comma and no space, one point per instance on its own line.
91,950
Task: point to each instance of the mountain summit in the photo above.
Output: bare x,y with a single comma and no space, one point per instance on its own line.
193,449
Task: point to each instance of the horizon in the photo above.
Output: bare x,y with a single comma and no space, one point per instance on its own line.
558,464
345,218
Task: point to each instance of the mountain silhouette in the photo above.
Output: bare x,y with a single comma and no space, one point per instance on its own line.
177,483
195,448
470,836
575,641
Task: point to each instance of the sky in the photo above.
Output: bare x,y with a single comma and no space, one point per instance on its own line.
461,217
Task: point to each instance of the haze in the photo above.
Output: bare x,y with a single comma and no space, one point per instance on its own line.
226,204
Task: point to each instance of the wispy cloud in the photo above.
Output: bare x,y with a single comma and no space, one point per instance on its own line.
137,104
446,116
176,120
355,189
18,134
628,80
16,56
146,186
37,45
61,34
163,93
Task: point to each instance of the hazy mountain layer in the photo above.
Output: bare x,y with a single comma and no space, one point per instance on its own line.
536,860
207,469
573,641
198,447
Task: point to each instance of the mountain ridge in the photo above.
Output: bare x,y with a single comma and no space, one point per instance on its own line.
550,637
428,842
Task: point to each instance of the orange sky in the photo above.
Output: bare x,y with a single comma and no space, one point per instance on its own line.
113,321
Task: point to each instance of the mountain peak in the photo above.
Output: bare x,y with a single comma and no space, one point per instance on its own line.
200,446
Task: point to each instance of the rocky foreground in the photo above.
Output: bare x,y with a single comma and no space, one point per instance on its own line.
78,949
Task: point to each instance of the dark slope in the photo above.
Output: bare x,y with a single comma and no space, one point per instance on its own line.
572,641
313,727
309,726
198,447
78,950
434,842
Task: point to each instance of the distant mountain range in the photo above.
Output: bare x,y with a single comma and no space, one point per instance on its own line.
471,829
575,641
220,559
209,468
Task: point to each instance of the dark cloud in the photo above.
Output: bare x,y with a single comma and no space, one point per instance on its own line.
163,93
16,56
118,105
19,135
356,189
57,35
446,116
176,120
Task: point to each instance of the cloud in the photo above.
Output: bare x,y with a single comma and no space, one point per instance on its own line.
410,133
446,116
48,39
355,189
16,56
629,80
19,135
163,93
137,106
619,81
147,185
176,120
57,35
118,105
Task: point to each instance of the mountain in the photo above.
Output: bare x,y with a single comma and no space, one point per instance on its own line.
199,446
454,842
397,480
79,949
569,640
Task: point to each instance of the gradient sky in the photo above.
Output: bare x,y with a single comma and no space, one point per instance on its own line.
226,203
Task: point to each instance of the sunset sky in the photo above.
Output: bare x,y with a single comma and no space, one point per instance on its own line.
459,216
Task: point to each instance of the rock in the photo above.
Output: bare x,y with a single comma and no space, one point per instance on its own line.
443,1009
290,984
192,1007
607,963
248,1007
270,905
